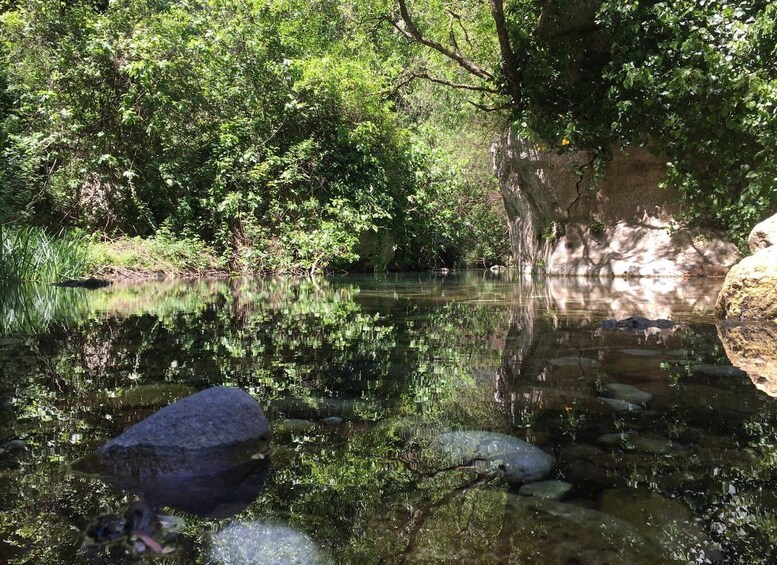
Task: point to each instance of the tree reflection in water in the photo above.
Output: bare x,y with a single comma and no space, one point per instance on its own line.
359,376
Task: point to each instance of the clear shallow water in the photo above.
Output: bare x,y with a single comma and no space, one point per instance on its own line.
360,376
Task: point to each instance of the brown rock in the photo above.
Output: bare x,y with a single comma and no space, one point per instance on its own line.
753,348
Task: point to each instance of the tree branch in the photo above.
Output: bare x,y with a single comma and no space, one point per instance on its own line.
413,32
511,73
458,85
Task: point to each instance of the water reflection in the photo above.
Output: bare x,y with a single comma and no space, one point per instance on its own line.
753,348
206,454
361,377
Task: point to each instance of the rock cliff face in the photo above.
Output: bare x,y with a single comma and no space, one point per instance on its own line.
564,221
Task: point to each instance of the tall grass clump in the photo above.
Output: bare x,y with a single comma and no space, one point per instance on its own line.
30,253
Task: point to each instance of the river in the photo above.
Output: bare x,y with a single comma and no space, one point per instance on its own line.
368,382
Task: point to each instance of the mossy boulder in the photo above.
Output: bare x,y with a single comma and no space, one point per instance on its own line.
749,292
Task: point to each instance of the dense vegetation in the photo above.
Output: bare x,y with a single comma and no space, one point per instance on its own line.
283,135
695,81
264,129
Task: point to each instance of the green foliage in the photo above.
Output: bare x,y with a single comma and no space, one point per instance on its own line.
162,253
259,127
32,254
695,81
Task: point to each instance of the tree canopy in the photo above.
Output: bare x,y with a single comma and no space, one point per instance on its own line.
694,81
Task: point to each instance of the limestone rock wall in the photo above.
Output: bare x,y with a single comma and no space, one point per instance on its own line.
564,221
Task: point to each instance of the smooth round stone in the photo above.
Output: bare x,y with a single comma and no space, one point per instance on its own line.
574,362
17,444
293,425
253,542
551,490
521,461
659,446
639,352
627,393
616,438
333,421
621,405
719,370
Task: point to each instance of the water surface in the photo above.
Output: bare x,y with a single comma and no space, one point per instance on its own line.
360,377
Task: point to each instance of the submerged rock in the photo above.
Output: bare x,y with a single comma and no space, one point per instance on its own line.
658,445
627,393
254,542
502,527
639,352
668,520
522,462
551,490
205,454
637,323
574,362
753,347
620,405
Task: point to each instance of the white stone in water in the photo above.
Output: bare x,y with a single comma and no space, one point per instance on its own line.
521,461
574,362
621,405
627,393
254,542
552,490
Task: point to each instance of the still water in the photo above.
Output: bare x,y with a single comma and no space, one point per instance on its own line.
378,391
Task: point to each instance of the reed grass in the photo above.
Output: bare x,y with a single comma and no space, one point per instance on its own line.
32,254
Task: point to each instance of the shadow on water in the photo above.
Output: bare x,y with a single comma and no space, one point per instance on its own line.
405,414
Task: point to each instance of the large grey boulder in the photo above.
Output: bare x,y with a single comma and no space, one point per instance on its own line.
749,292
205,454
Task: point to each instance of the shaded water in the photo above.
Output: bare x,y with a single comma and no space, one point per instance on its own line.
360,377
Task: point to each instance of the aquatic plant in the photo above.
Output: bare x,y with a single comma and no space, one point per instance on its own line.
33,254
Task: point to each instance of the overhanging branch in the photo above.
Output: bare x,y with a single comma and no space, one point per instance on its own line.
411,31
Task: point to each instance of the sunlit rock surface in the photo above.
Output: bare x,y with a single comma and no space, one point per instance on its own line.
749,292
265,544
564,222
753,348
522,462
763,235
205,454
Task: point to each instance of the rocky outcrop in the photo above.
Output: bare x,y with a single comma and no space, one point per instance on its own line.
749,292
565,221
